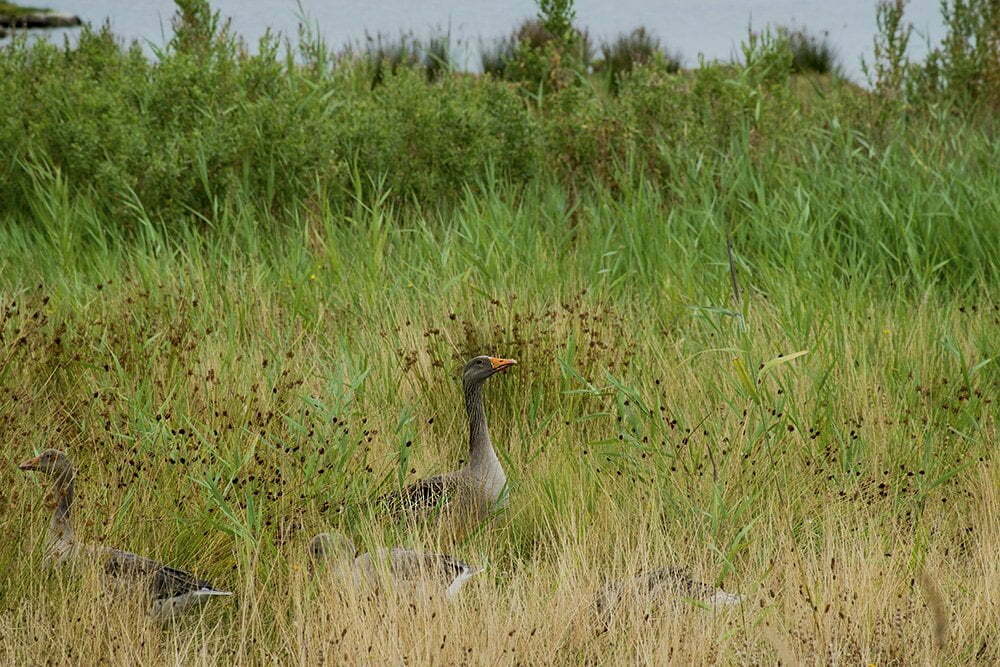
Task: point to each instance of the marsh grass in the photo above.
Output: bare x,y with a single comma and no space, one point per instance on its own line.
226,399
437,57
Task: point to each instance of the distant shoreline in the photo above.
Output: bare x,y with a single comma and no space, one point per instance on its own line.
17,16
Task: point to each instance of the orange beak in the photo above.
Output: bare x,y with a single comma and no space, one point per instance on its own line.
500,364
30,464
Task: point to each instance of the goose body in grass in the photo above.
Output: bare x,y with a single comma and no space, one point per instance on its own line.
657,587
396,566
481,483
169,591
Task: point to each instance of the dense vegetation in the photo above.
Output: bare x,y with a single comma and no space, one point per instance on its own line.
235,287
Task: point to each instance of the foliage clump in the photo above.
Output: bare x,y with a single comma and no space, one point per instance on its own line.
628,51
809,52
961,73
544,53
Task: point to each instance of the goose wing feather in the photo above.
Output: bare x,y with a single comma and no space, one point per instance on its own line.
163,581
662,582
422,495
679,581
409,564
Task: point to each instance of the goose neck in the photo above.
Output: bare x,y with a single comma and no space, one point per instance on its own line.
481,452
61,527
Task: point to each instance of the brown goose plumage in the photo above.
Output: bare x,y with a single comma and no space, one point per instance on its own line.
169,590
394,565
656,587
481,483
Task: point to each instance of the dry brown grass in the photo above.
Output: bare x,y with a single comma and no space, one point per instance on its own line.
810,492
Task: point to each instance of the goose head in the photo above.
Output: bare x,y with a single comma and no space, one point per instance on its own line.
480,368
51,462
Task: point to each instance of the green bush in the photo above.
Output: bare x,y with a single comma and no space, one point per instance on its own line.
206,124
207,121
430,147
384,56
497,55
628,51
810,53
544,53
962,72
538,58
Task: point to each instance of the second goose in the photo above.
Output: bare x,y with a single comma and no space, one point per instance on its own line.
479,484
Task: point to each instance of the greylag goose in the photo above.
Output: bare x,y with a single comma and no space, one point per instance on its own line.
170,591
657,586
481,483
398,565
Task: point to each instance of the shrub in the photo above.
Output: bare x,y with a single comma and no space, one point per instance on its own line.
386,56
965,67
962,72
430,145
205,122
544,53
887,72
628,51
538,57
497,56
810,53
